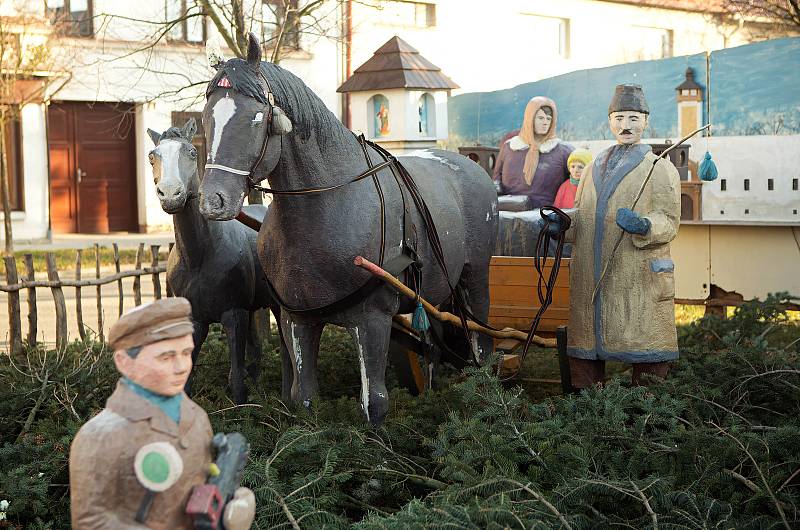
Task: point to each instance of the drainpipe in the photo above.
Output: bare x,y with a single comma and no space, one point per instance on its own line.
348,44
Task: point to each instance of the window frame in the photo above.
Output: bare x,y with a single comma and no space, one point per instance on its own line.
14,161
291,39
564,37
63,15
184,25
430,14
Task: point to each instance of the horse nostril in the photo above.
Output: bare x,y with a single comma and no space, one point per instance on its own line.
176,194
159,192
221,202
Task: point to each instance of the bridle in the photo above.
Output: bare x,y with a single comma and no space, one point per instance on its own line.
270,113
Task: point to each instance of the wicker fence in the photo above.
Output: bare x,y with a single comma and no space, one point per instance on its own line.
15,284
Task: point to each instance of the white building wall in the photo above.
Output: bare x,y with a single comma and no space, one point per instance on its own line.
487,46
34,222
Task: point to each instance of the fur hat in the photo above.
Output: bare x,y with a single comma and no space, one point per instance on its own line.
628,97
584,156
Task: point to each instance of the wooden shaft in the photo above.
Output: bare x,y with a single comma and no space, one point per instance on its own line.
444,316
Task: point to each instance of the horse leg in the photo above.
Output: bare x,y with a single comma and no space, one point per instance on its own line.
476,285
235,322
253,347
302,338
287,366
371,336
199,335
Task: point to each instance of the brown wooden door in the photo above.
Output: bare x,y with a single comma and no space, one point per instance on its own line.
92,167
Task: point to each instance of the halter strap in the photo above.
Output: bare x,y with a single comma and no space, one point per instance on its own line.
228,169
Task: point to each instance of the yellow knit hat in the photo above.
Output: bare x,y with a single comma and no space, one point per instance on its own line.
581,155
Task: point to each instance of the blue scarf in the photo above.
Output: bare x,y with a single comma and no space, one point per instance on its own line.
169,405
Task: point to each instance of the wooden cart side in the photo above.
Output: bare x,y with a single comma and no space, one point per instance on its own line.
513,298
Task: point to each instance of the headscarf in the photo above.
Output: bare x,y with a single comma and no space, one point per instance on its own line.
527,135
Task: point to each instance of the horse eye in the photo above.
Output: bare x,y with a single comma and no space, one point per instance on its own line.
193,153
151,158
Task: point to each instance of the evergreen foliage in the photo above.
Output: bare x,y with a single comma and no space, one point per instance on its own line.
717,445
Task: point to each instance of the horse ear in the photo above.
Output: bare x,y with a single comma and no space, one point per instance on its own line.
154,136
281,124
189,129
253,50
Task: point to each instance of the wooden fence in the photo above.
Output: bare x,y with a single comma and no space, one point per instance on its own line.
56,285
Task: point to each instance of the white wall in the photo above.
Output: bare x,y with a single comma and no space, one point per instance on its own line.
34,221
757,158
486,46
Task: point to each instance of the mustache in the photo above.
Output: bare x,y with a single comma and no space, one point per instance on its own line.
626,131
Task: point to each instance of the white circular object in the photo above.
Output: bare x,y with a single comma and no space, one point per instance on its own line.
158,466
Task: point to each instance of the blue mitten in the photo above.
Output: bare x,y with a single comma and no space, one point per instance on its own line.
632,222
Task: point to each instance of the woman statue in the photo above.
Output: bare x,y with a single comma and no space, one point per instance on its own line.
534,162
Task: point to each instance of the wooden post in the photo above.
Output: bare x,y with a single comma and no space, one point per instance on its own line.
156,279
137,280
166,280
119,282
78,307
99,294
61,306
14,320
32,315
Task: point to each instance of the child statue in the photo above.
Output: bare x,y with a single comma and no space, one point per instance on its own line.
534,162
622,301
577,162
152,347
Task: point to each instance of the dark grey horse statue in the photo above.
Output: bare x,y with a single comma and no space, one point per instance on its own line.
263,122
213,264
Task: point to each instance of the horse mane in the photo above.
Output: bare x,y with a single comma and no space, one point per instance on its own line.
308,113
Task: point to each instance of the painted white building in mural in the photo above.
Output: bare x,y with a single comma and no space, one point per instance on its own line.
83,153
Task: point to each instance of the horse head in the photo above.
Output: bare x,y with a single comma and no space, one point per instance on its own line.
243,126
174,161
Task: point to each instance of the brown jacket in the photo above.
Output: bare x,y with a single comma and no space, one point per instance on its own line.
105,493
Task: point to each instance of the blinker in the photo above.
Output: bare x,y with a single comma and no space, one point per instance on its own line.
224,82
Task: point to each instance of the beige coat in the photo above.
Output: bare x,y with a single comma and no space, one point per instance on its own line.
105,493
633,317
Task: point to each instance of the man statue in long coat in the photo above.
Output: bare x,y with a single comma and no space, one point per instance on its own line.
631,317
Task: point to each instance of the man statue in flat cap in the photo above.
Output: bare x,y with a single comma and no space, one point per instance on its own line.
627,314
149,411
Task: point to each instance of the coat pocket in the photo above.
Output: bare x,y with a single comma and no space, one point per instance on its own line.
663,271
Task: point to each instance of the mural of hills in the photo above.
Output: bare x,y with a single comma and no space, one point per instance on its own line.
755,90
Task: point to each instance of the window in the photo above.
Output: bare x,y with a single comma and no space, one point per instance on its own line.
273,14
190,25
179,119
426,121
642,43
746,184
723,184
402,13
770,184
74,15
13,144
552,35
794,184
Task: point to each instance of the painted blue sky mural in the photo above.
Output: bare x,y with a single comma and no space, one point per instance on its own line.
755,89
